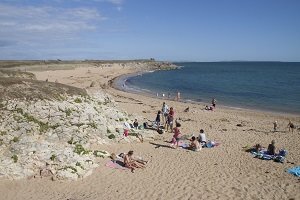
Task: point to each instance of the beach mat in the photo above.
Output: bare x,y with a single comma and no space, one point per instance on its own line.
116,165
295,171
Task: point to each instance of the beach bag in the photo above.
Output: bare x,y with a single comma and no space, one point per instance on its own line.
282,152
279,159
146,125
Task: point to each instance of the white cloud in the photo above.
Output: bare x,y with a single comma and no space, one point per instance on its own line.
38,19
36,28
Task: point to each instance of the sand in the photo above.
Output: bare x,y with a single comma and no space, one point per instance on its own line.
223,172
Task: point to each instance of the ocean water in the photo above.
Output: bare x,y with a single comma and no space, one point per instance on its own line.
271,86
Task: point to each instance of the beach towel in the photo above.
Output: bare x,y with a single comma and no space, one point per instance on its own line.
116,165
262,155
295,171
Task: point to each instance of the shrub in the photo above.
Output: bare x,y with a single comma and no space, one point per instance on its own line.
78,100
53,157
15,158
111,136
80,150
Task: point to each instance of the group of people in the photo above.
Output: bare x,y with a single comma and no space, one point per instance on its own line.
290,126
165,117
213,105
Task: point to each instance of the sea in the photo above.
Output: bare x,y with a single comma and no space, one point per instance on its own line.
268,86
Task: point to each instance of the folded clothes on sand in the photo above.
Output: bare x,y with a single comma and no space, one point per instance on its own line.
295,171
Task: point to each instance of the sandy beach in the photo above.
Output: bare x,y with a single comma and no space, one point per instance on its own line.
223,172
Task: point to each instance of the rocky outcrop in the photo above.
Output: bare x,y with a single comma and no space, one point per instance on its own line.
57,138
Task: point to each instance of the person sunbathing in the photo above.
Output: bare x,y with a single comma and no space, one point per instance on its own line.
131,163
194,146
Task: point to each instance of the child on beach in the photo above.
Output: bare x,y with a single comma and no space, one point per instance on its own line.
291,126
177,135
135,124
170,119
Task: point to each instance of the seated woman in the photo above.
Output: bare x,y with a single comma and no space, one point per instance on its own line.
194,146
271,148
131,163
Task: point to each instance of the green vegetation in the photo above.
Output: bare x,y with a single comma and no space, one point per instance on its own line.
108,131
71,141
80,150
79,124
43,126
54,126
1,142
15,158
78,100
74,170
111,136
17,118
53,157
93,125
68,112
15,139
20,110
121,119
133,134
99,153
3,133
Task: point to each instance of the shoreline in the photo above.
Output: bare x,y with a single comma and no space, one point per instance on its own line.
117,83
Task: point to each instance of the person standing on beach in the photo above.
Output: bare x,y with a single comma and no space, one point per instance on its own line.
165,112
170,119
213,102
157,119
291,126
178,96
275,126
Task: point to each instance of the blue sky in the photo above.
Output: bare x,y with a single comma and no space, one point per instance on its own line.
174,30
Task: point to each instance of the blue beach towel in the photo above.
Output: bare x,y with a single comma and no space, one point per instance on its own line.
262,155
295,171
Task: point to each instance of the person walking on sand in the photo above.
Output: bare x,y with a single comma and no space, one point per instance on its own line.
177,135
